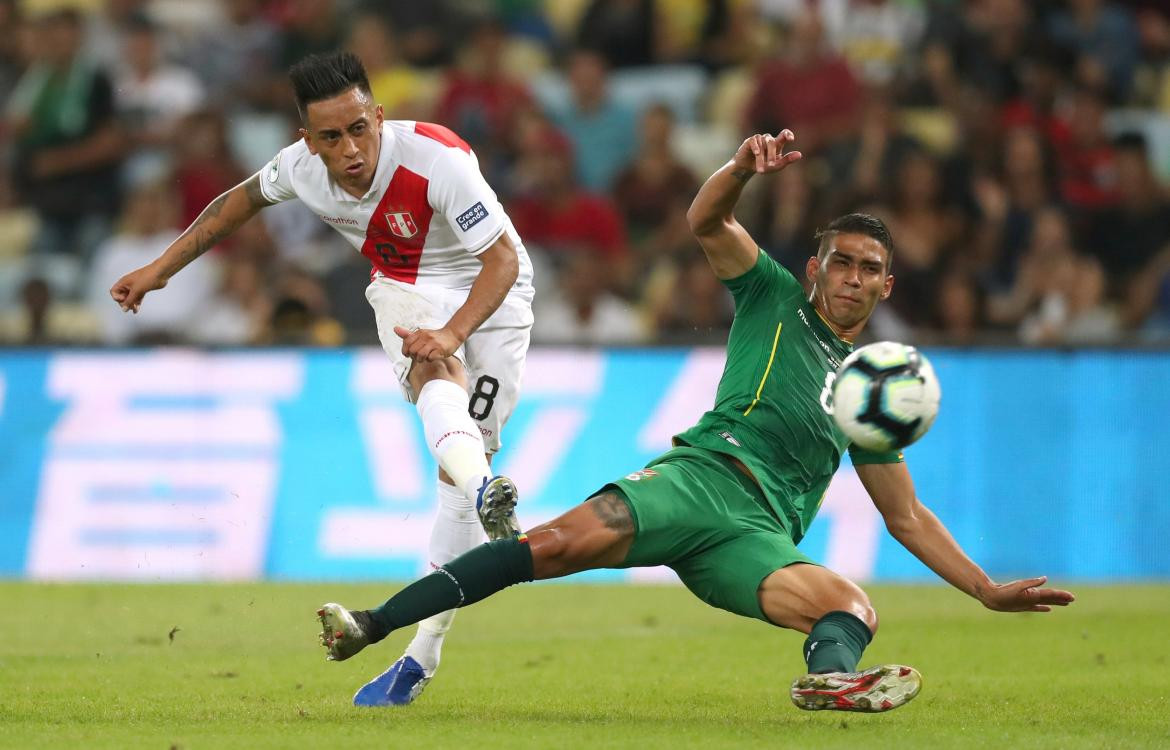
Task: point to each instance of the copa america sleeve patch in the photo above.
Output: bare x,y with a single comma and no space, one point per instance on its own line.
472,216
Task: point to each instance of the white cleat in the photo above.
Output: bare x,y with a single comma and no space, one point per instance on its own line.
341,635
496,505
876,689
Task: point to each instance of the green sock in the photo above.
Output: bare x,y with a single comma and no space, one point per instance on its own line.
835,643
465,580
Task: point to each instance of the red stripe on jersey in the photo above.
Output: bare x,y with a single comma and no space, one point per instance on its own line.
443,135
398,229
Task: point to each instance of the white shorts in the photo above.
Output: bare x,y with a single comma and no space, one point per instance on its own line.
493,356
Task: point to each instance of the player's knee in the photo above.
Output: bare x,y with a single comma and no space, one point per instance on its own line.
856,602
422,373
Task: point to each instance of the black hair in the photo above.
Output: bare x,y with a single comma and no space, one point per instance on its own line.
870,226
1132,140
319,77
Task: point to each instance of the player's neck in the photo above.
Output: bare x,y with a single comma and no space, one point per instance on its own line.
845,333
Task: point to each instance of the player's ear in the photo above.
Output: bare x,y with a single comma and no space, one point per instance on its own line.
889,286
380,116
308,140
812,268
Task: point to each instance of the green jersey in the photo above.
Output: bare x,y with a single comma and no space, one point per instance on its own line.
773,409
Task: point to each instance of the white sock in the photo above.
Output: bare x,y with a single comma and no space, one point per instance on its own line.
456,531
452,436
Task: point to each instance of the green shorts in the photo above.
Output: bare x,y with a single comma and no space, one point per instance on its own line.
695,512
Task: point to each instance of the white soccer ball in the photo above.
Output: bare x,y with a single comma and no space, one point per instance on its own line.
885,396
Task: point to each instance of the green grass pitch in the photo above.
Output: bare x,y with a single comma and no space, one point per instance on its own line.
565,666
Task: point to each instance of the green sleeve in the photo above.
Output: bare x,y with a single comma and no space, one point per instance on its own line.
763,285
860,456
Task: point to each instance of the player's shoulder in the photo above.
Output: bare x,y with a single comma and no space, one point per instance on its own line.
766,276
427,141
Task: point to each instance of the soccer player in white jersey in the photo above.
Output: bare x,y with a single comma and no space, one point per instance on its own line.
451,290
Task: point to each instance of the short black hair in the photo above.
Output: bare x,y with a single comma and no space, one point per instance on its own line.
870,226
325,76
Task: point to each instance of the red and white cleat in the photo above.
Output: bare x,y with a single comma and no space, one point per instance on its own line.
876,689
341,634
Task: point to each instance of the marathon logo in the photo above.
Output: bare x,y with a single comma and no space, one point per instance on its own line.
472,216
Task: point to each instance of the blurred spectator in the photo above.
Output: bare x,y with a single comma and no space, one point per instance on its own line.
68,144
583,311
424,30
1092,318
926,226
625,32
311,27
959,308
561,218
395,85
1152,77
151,96
824,105
480,101
1088,168
1127,236
204,167
791,219
655,183
106,26
239,312
1147,303
716,34
695,303
148,226
1009,201
1104,38
600,127
875,36
300,314
1038,300
236,60
989,38
12,47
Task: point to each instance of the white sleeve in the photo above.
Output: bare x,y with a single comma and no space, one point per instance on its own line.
460,193
276,176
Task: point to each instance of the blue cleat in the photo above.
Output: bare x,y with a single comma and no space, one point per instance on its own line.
496,505
397,686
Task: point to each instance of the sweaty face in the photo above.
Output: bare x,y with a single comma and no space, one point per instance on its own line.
346,132
849,280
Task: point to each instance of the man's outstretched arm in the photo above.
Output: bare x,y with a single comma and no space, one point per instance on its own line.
224,215
729,248
920,531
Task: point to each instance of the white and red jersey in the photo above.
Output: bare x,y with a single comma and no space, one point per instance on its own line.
426,216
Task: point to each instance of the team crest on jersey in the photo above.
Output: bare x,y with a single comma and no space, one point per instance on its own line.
402,224
642,474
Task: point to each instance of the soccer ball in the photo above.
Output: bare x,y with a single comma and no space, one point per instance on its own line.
885,396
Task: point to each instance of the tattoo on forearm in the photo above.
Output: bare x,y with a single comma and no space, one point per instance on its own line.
613,512
202,238
743,175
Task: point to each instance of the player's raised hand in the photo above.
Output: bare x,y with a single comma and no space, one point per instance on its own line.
129,290
1025,596
763,153
427,345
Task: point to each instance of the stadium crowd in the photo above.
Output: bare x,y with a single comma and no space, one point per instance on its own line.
1019,151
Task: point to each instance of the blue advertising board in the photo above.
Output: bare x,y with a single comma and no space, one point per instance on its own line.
300,465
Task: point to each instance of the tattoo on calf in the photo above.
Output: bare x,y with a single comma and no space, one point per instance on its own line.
613,512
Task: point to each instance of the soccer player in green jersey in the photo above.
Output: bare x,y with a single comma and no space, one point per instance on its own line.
726,507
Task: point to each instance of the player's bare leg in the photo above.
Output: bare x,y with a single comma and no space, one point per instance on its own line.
840,621
596,534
